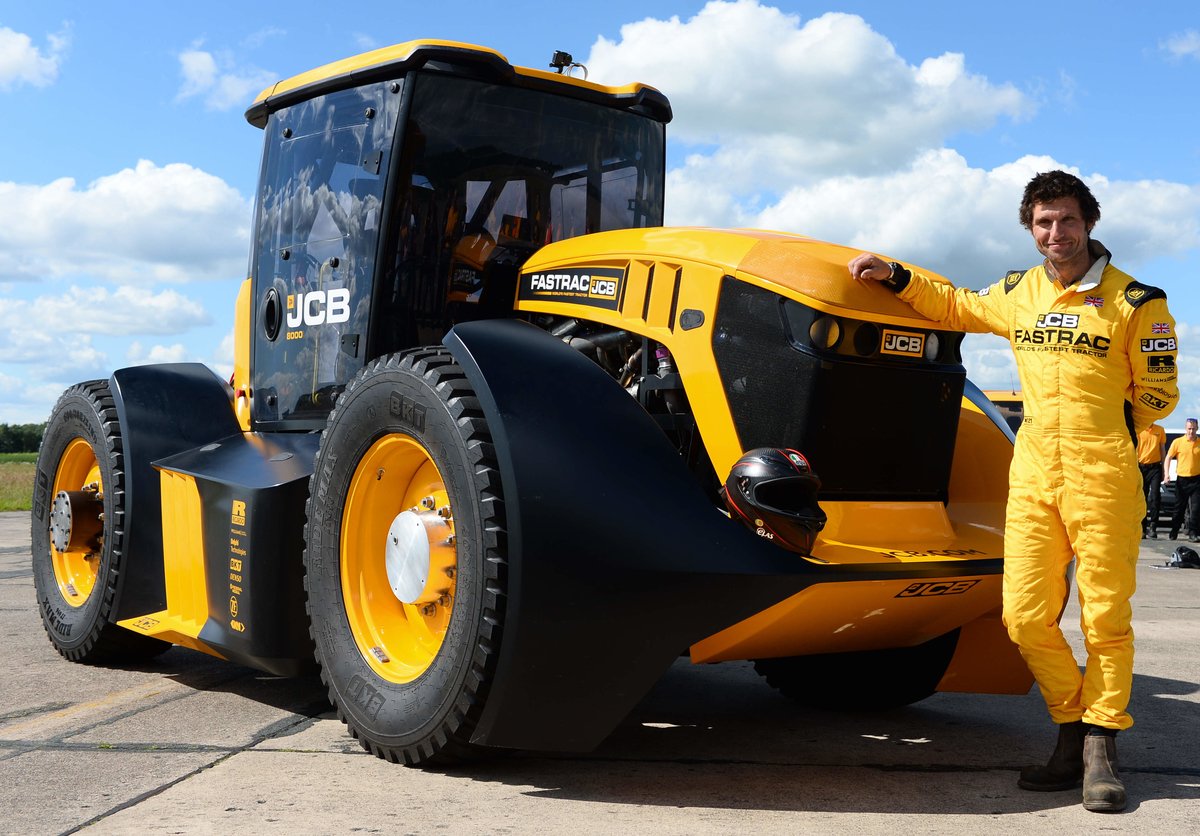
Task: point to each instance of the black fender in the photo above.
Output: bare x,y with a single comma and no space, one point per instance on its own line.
618,561
163,410
975,395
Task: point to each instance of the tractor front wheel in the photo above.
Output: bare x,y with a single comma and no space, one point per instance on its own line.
404,558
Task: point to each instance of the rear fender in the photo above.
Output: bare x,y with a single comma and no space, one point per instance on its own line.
163,409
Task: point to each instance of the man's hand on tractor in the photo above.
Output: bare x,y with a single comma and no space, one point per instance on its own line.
868,266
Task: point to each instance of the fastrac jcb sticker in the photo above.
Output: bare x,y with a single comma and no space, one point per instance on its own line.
924,589
902,343
596,286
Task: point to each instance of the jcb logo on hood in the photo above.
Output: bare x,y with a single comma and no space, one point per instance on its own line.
1058,320
902,343
1159,344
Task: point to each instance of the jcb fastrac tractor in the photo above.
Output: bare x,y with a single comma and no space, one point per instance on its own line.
498,447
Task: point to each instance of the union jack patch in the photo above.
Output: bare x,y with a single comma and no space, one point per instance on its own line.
1094,301
1160,328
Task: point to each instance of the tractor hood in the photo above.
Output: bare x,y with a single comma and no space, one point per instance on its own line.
793,265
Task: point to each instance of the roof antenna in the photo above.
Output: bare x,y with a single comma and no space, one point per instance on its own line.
563,61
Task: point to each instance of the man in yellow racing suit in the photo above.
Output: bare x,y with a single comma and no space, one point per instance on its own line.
1095,352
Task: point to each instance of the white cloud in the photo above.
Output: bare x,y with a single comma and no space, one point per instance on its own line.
989,361
1183,45
962,222
137,355
824,98
25,401
56,331
366,43
256,39
142,225
218,80
22,62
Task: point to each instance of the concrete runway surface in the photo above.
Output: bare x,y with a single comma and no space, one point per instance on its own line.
191,744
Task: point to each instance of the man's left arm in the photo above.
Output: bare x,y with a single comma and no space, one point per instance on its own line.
1153,349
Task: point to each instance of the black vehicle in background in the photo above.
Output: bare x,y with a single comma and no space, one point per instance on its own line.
1169,496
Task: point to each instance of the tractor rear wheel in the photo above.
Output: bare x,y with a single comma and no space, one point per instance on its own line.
864,680
404,559
78,530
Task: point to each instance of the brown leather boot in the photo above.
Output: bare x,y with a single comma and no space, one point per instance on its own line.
1103,791
1064,770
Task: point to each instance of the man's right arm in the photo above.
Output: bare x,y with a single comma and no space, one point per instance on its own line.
959,309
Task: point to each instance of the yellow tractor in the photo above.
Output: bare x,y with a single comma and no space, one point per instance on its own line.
498,446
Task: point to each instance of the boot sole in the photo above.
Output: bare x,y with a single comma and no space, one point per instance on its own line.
1103,806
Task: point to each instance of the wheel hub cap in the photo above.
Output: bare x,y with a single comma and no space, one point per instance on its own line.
407,552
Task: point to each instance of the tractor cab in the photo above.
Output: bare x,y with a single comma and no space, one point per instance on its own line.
400,196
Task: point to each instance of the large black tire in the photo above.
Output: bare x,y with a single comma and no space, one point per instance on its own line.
80,471
865,680
407,442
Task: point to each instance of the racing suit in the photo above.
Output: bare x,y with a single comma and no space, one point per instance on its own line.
1097,365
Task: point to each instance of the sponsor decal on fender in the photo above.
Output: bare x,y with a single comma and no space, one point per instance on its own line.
924,589
596,286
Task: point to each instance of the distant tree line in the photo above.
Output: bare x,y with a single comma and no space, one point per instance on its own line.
20,438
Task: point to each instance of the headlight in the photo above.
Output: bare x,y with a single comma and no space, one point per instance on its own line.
932,347
825,332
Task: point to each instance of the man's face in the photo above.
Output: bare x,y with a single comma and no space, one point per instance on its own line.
1190,429
1059,231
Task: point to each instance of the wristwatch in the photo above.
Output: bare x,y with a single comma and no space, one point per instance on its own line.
899,278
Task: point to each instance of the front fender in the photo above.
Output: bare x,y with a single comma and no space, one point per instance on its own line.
618,562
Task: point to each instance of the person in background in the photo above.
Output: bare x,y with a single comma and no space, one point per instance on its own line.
1151,446
1185,452
1095,353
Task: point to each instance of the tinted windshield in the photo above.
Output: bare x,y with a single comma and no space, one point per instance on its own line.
490,174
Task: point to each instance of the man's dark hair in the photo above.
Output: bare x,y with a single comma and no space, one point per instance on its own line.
1053,185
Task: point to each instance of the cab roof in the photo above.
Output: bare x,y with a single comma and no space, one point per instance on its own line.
453,57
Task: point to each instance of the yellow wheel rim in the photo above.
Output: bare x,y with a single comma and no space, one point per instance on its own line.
76,571
396,484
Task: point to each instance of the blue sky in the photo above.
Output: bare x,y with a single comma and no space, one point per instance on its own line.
128,169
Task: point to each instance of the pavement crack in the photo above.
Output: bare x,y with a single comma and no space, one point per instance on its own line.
34,709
